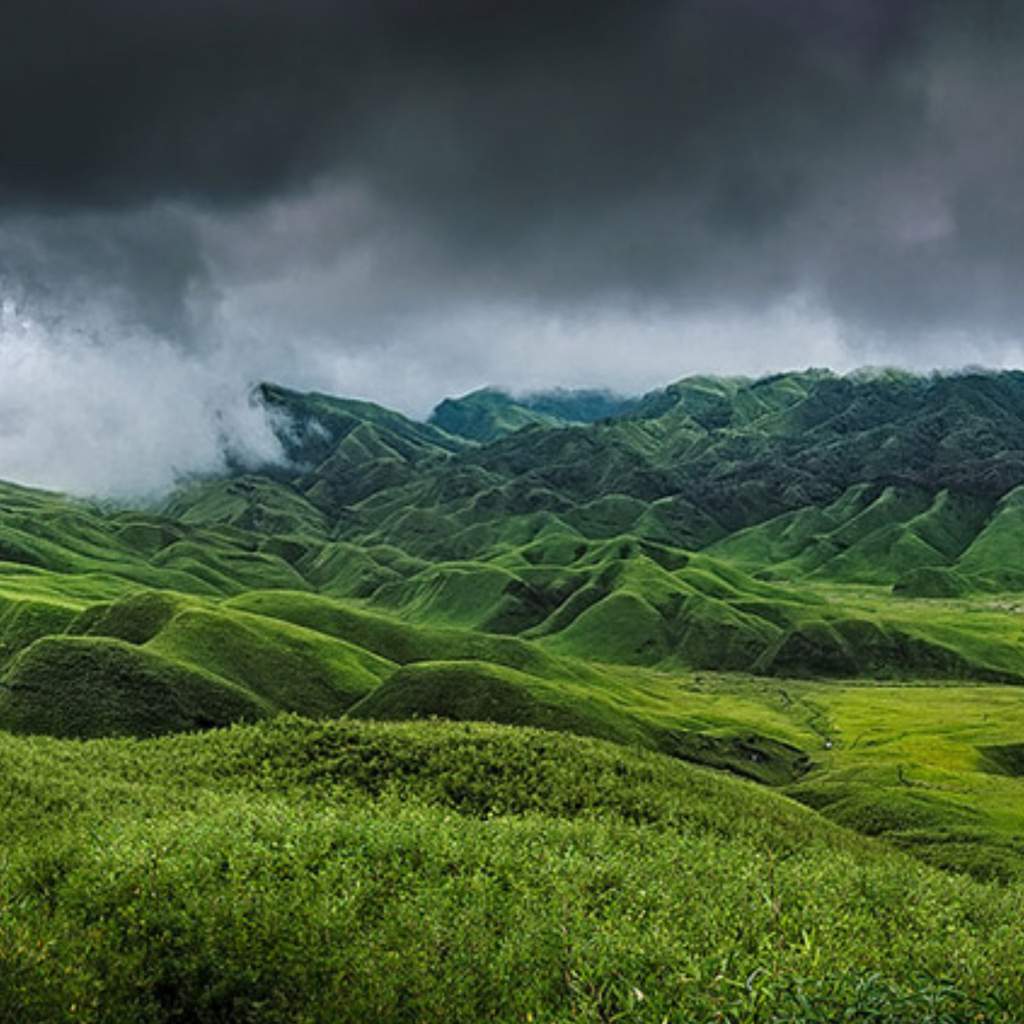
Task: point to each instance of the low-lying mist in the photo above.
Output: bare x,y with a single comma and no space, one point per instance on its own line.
126,418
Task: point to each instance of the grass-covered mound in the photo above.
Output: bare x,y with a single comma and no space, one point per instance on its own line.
932,581
399,641
136,617
463,675
292,668
86,687
24,620
295,871
479,692
850,647
152,662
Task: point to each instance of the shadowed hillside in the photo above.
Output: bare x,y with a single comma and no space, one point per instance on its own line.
488,414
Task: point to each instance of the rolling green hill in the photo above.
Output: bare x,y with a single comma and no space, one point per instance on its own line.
609,541
807,582
350,872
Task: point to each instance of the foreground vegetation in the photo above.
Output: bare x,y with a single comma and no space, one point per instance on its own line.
350,872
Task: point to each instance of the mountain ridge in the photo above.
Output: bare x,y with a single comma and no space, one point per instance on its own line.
691,530
716,575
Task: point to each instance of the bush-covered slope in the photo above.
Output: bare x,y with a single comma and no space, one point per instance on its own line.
270,874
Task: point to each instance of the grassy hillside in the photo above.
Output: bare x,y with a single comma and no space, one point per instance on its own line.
807,583
152,662
489,413
342,872
590,540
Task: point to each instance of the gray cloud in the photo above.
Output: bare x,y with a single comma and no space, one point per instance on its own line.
129,270
403,199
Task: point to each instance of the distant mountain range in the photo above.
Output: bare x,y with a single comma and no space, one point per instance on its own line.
701,525
865,478
490,413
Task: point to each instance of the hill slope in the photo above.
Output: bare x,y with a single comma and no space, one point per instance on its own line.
488,414
807,581
346,872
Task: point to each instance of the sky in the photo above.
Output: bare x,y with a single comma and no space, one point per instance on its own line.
403,200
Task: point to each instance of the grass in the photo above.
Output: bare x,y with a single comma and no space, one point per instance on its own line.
344,872
85,687
928,745
728,574
80,668
929,766
479,692
150,662
23,621
295,669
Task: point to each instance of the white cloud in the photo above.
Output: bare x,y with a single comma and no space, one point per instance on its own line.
123,418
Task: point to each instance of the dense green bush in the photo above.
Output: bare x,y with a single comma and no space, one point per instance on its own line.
174,880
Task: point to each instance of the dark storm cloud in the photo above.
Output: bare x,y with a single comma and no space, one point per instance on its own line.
682,150
405,198
229,100
144,268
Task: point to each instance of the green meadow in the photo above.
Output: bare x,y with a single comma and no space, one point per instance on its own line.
707,706
295,870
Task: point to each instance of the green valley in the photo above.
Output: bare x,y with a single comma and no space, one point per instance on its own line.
705,705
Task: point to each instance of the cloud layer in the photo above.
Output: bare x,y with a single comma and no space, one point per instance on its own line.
404,200
120,419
